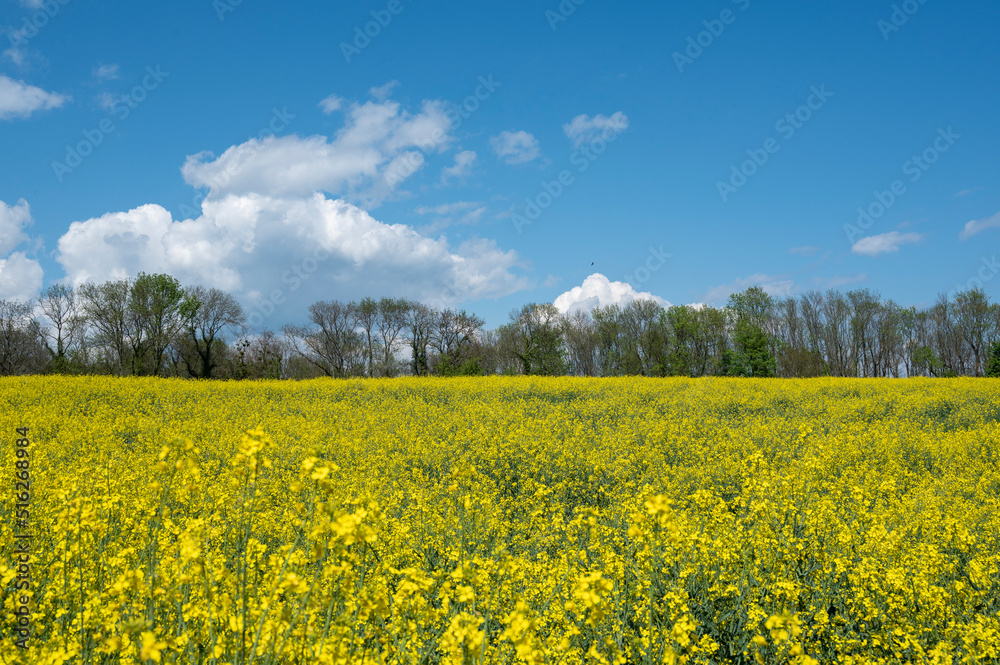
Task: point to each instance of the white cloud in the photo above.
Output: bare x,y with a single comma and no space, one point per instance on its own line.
772,285
105,72
13,220
331,104
884,243
583,128
380,146
598,291
515,147
463,166
382,92
973,227
268,216
20,276
19,100
252,243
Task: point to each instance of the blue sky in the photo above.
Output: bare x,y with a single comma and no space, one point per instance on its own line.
280,153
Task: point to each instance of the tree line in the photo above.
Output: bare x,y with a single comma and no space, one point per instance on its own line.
153,326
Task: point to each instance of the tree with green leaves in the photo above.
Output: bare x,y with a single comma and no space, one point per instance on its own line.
754,348
993,364
159,311
537,336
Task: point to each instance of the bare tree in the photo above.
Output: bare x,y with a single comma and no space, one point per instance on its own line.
974,321
366,314
420,321
22,350
453,334
261,356
106,307
203,343
390,323
60,306
581,342
837,335
332,343
947,340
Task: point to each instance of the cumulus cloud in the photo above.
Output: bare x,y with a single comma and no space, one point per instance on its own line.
380,146
13,221
583,128
598,291
20,276
772,285
20,100
884,243
973,227
252,244
278,228
462,167
515,147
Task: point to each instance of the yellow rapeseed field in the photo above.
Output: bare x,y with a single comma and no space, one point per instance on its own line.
505,520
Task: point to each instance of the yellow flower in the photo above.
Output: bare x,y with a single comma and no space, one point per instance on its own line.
151,646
